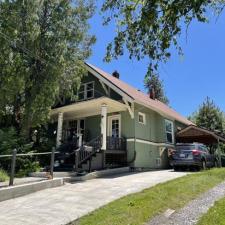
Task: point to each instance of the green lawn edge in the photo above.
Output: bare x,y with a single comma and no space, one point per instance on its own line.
215,215
140,207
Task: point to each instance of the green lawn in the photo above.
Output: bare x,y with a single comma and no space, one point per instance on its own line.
215,215
138,208
3,176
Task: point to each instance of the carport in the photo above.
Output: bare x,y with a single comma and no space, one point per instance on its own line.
193,133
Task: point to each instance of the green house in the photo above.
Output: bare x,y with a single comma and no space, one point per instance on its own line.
130,127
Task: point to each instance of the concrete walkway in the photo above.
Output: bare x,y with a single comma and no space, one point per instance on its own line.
61,205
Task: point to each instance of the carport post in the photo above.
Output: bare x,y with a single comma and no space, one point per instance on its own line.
219,152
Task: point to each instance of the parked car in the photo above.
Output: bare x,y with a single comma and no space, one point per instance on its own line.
194,155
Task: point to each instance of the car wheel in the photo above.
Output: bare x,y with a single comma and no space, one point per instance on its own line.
203,164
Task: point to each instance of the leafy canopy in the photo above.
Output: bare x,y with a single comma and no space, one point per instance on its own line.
43,45
149,28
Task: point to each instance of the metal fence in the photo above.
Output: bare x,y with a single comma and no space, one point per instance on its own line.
14,156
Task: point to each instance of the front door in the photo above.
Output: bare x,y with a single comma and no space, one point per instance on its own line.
114,126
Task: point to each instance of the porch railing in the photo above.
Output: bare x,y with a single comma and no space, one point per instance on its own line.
115,143
85,152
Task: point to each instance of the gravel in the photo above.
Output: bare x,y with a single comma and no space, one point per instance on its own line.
191,213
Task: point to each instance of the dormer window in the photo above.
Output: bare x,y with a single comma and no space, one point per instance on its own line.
86,91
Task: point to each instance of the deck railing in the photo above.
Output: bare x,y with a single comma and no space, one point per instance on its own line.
115,143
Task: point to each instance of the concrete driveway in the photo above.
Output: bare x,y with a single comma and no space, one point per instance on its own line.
61,205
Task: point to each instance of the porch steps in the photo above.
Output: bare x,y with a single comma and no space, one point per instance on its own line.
96,163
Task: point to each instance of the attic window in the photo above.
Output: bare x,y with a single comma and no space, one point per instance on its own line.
86,91
141,118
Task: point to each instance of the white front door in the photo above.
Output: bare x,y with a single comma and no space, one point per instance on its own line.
114,126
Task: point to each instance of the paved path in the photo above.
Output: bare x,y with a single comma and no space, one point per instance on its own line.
190,214
61,205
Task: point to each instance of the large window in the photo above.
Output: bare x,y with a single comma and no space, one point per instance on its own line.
86,91
169,131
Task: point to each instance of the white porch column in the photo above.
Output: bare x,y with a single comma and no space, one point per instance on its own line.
104,125
59,129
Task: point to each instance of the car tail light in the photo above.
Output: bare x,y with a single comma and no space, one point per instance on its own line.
196,152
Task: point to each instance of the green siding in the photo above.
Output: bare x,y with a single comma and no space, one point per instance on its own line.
146,155
153,130
127,125
92,126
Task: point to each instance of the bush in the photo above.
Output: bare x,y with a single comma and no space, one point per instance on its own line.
3,176
28,167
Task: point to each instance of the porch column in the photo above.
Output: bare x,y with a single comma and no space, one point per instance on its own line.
59,129
104,125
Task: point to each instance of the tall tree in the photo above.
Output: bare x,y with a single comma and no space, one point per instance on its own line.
149,28
43,45
209,116
155,84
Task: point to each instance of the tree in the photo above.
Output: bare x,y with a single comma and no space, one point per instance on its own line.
43,45
209,116
153,82
150,28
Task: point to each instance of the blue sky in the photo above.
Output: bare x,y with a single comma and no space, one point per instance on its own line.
187,80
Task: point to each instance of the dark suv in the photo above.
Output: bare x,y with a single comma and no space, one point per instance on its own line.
194,155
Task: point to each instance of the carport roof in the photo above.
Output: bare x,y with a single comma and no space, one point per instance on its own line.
193,133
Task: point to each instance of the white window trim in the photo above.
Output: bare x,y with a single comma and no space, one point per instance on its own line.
110,118
172,132
144,118
85,91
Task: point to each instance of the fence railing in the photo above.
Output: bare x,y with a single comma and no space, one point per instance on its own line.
14,156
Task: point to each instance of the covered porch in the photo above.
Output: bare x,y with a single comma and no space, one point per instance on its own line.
93,129
90,119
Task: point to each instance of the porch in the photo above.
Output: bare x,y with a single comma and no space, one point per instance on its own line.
92,130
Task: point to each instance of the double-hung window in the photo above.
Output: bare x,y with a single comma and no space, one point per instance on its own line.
169,131
86,91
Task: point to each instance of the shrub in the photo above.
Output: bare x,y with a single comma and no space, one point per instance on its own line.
3,176
27,167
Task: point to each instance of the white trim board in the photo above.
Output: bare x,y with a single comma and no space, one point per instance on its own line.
149,142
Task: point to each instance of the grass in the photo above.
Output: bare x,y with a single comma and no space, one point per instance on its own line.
138,208
215,215
3,176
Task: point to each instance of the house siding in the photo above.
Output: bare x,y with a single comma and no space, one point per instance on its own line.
93,127
149,154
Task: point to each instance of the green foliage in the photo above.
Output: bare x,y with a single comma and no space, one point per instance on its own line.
27,166
150,28
209,116
9,140
152,81
3,176
43,45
